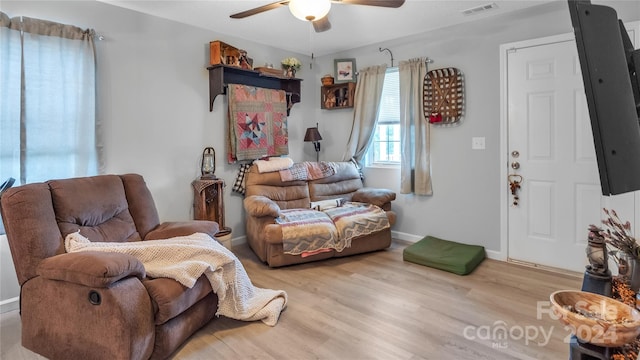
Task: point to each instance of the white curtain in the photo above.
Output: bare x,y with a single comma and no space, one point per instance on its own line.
48,126
415,166
365,112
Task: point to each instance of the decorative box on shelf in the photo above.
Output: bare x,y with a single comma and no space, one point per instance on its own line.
223,53
270,71
337,96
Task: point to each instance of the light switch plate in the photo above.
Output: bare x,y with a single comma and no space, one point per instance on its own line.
477,143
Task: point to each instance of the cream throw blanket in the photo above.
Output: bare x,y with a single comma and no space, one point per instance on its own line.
273,164
185,259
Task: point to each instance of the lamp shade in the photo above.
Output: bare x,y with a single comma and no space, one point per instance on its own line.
312,134
309,10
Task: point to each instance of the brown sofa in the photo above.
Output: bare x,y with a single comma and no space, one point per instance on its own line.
92,305
266,194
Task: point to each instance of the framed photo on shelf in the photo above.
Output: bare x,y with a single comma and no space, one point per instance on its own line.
345,70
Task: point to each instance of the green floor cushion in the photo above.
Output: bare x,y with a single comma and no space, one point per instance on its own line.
445,255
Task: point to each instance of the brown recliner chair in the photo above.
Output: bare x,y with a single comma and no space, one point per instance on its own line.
92,305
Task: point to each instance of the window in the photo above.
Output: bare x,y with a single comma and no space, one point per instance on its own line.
51,131
47,101
385,145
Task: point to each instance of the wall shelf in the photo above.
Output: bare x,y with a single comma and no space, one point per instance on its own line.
221,75
337,96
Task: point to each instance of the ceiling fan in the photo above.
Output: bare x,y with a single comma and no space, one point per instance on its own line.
315,11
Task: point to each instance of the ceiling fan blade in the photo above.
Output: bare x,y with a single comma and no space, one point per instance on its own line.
382,3
321,25
259,9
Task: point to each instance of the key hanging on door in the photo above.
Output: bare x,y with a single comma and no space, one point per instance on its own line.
514,185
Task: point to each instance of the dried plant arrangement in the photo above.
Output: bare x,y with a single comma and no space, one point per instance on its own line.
617,234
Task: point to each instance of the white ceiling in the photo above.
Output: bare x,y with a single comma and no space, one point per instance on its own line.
353,26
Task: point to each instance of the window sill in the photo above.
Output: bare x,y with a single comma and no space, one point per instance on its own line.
383,166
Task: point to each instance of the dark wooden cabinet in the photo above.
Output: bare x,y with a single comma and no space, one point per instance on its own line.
337,96
221,75
208,202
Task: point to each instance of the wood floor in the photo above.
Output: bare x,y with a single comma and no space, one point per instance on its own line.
375,306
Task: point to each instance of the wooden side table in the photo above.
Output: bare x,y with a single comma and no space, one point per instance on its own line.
208,202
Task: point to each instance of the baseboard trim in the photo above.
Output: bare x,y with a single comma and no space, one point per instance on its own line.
405,236
9,304
239,240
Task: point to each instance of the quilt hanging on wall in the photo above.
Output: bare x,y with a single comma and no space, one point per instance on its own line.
257,123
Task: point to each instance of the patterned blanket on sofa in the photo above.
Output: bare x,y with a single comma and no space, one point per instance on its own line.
307,231
355,219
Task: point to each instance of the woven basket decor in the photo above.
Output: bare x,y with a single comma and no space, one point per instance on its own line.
443,96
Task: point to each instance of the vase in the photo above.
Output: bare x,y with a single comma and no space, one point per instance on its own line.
290,72
629,268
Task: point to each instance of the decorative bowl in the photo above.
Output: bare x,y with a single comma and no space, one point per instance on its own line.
596,319
327,80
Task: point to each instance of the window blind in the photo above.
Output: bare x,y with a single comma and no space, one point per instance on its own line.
389,112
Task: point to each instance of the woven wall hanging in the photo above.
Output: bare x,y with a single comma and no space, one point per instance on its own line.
443,96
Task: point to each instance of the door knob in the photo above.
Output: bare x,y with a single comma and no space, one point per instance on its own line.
515,165
515,154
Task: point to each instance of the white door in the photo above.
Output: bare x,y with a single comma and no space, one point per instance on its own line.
550,146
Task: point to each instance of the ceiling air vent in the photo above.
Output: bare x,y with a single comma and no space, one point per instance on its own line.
479,9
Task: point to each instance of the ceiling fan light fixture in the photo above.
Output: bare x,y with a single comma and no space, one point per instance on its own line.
309,10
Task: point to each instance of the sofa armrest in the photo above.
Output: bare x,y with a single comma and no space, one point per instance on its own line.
171,229
91,268
258,206
373,196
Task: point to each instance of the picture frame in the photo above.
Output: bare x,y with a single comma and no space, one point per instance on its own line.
345,70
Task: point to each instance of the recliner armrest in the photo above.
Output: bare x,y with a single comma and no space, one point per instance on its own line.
373,196
91,268
258,206
171,229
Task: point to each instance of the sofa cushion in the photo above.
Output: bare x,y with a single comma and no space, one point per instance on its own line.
141,204
96,205
342,184
286,194
32,231
308,230
170,298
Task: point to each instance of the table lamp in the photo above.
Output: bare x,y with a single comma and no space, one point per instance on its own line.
314,136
